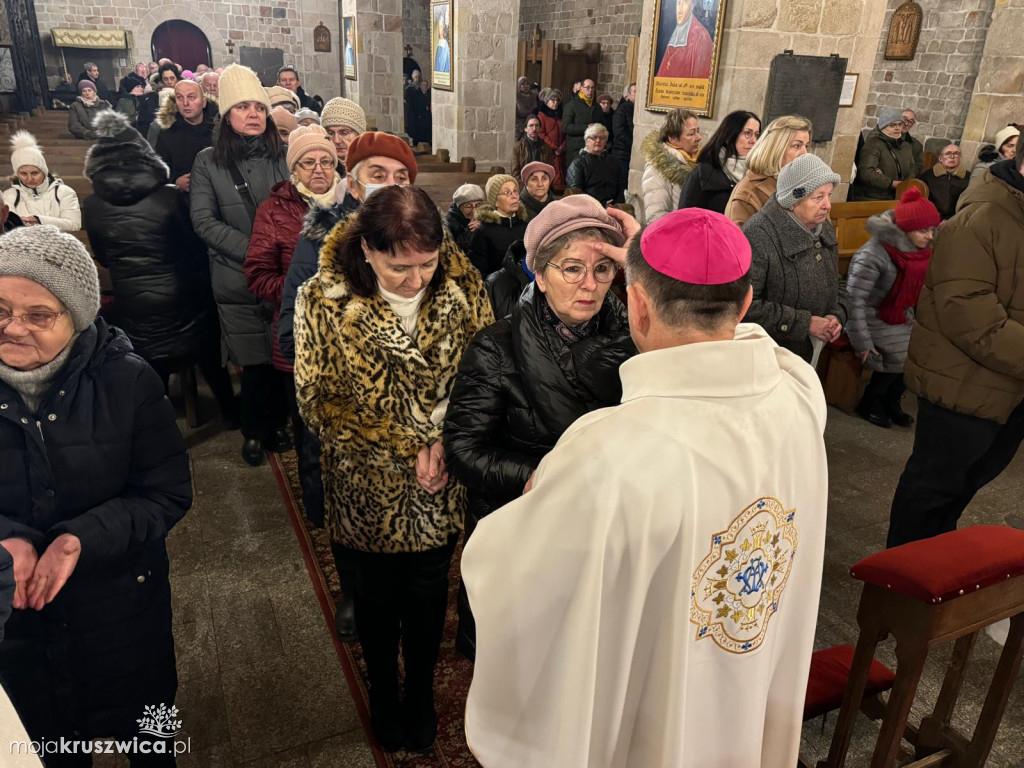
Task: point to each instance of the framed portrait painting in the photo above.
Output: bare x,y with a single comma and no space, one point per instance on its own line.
684,55
348,28
440,44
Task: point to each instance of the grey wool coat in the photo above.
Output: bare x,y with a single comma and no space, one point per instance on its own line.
872,273
795,276
222,221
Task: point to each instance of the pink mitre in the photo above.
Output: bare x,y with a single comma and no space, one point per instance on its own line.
696,246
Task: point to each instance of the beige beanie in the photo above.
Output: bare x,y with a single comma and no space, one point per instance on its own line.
284,119
494,185
278,95
343,112
238,84
306,138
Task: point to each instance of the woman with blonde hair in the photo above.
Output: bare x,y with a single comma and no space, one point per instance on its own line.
784,140
671,154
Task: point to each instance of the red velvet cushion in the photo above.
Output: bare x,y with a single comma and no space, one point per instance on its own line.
830,670
947,566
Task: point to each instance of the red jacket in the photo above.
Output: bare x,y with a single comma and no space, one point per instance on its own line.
552,135
275,233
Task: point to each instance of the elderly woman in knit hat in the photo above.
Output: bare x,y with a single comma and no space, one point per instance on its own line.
537,178
93,475
885,279
798,296
502,222
555,357
36,196
460,219
307,116
282,97
229,181
344,120
885,159
285,122
84,109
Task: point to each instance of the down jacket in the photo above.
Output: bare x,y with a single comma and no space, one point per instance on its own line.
275,233
491,240
871,276
81,115
519,388
506,286
220,218
663,179
966,348
795,275
371,394
139,229
53,201
707,187
599,176
881,161
101,459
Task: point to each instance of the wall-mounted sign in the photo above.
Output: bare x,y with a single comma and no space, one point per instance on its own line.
321,38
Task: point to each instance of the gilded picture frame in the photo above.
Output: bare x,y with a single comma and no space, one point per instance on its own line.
685,49
442,52
349,47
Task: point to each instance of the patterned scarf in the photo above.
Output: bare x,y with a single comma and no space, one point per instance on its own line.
570,334
907,287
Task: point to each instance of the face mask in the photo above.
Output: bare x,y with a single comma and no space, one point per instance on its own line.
371,188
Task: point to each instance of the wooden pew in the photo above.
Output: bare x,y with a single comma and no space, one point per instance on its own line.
850,222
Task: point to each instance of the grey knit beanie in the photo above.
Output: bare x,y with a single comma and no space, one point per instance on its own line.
802,176
59,263
888,116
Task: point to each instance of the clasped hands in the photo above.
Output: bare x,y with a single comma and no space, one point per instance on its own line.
827,328
38,580
431,473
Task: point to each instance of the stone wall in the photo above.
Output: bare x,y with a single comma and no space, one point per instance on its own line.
416,31
284,24
757,30
998,96
572,21
938,83
378,85
477,118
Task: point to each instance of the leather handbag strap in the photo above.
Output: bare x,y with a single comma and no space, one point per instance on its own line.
895,159
242,188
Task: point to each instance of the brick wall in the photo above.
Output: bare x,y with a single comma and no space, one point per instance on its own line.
572,21
284,24
416,31
937,84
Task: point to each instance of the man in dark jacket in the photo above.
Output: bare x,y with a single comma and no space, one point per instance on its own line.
946,181
186,124
288,78
966,358
579,112
531,149
622,129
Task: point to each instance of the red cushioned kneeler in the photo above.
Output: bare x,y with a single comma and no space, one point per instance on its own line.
830,671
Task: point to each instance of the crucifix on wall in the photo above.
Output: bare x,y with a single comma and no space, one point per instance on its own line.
904,32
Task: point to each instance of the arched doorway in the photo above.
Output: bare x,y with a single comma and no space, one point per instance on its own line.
181,42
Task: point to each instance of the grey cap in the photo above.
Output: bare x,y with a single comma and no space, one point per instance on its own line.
801,177
468,193
58,262
888,116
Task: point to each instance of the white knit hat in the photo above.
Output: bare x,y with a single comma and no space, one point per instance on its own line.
238,84
1002,136
343,112
25,151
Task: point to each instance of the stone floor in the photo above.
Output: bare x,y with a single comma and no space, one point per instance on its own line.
261,684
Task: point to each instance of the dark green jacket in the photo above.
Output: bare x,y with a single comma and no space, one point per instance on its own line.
881,161
576,116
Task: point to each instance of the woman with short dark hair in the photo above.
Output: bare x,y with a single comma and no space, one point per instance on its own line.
229,181
722,163
379,334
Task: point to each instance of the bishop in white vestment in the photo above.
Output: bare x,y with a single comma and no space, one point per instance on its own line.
651,601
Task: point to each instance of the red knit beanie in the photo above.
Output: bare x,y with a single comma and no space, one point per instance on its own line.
382,145
914,212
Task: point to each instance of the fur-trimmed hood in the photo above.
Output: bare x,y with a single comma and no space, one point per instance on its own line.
321,220
665,160
167,113
121,165
940,170
488,214
883,227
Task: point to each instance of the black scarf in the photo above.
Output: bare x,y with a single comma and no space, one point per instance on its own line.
570,334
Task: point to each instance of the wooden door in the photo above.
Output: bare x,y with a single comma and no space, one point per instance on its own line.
182,43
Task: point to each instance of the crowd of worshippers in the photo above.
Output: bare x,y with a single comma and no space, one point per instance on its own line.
470,373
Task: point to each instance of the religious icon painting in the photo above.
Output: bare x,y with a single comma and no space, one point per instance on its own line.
348,27
738,586
684,55
441,44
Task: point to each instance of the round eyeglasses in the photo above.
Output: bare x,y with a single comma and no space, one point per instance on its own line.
311,165
576,271
34,321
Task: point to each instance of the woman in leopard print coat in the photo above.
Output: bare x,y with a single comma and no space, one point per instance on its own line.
379,333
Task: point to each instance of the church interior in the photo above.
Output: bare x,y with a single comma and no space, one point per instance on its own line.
264,679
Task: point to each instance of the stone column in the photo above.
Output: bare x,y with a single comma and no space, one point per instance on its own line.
378,84
477,118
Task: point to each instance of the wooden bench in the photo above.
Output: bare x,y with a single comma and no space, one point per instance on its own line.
850,223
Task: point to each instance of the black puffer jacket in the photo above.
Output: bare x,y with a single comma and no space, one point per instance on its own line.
139,228
101,459
599,176
706,187
491,240
458,227
179,143
519,388
506,286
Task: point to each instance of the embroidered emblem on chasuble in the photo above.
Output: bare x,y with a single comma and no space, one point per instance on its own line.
737,587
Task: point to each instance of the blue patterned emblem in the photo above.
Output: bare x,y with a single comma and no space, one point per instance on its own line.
752,577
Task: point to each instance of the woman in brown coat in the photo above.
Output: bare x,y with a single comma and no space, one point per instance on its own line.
784,140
